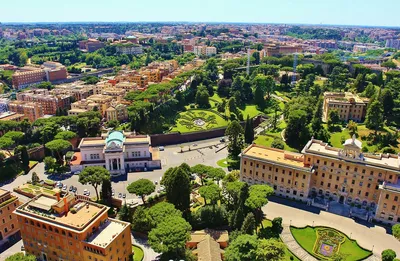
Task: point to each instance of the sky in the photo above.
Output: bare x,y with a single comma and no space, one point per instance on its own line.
338,12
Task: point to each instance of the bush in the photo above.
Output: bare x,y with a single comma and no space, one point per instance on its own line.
388,150
278,144
277,224
209,217
73,210
388,255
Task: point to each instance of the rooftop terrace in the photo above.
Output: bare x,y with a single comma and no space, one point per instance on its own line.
275,155
107,232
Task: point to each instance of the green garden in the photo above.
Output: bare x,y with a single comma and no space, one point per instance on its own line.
326,243
198,120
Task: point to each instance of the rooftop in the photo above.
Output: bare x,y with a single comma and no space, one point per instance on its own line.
275,155
49,209
106,233
343,97
378,160
3,192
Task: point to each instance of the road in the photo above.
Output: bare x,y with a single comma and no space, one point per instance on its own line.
369,236
170,157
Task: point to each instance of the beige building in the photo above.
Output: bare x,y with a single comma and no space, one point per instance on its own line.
101,102
72,228
31,110
347,176
349,106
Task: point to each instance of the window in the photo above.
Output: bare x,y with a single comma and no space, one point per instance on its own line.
351,190
322,183
324,162
361,183
393,207
263,166
137,154
332,164
330,176
340,166
297,175
396,198
366,194
329,185
353,182
390,177
347,168
337,178
368,185
257,165
323,175
251,163
355,169
387,196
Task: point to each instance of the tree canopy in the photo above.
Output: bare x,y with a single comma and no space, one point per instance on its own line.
94,176
141,187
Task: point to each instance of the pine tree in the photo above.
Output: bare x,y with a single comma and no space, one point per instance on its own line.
249,224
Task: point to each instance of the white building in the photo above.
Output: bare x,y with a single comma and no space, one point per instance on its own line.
204,50
211,50
118,152
129,48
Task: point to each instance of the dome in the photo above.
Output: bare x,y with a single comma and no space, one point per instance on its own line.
115,139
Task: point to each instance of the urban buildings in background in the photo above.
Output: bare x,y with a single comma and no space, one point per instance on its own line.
72,228
31,75
348,105
325,173
9,227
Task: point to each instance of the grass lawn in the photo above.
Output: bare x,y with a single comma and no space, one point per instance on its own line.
250,110
185,122
307,237
336,137
223,163
138,253
267,224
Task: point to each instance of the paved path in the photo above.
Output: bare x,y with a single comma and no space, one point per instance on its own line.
149,253
294,247
370,237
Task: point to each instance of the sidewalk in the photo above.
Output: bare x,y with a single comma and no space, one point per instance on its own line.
294,247
370,237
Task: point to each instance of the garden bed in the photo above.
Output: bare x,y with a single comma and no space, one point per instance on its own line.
324,242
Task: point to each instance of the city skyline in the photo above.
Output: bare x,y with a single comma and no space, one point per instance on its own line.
310,12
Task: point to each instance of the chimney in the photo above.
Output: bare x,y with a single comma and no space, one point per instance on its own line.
65,205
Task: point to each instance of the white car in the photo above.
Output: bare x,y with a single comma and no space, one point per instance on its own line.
64,187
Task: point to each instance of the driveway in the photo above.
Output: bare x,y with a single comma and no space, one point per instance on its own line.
369,236
149,253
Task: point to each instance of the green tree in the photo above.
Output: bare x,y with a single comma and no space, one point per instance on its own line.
243,248
177,186
338,78
202,97
248,130
258,195
352,127
374,117
370,90
270,249
388,255
278,143
141,187
386,98
389,65
240,210
296,133
202,171
170,236
236,140
59,147
94,176
141,220
216,174
124,214
333,118
35,178
259,95
21,257
211,192
106,192
249,224
5,144
396,231
65,135
49,163
24,157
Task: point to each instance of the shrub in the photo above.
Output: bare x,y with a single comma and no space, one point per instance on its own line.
73,210
277,224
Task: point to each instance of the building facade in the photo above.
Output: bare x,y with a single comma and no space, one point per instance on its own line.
347,176
118,152
72,228
348,105
9,226
31,110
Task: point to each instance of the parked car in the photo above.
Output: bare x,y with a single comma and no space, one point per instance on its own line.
156,182
222,140
124,195
161,148
64,187
119,195
22,248
71,188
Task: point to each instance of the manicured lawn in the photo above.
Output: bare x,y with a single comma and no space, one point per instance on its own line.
216,97
223,163
250,110
266,140
336,139
185,123
138,253
307,237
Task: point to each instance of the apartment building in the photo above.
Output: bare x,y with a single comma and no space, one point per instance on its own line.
91,45
393,43
76,91
349,106
27,76
204,50
345,175
4,105
101,102
117,112
274,50
11,116
9,225
55,71
48,102
31,110
72,228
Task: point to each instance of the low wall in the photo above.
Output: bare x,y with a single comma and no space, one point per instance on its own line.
177,137
37,153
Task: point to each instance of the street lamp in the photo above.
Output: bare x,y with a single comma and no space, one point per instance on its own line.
313,223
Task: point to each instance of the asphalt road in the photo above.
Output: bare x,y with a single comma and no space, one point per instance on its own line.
200,153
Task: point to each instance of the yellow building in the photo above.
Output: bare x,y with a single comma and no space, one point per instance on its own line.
347,176
9,224
72,228
349,106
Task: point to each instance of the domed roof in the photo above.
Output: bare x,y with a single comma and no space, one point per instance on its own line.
115,139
